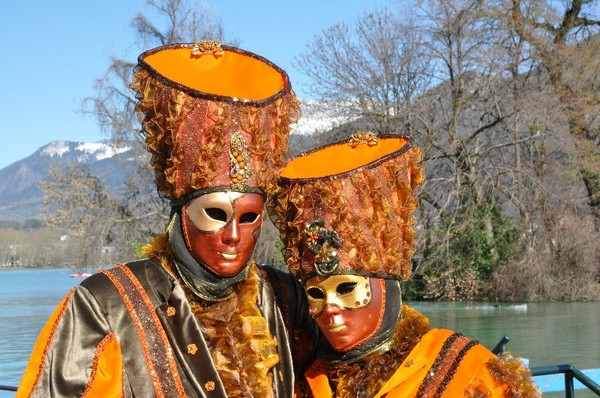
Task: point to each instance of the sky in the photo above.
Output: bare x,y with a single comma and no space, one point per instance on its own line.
52,52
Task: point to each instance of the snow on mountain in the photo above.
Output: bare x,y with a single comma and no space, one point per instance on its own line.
20,195
86,151
317,117
55,149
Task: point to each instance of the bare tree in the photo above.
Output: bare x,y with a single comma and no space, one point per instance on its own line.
563,36
77,203
142,213
371,70
491,129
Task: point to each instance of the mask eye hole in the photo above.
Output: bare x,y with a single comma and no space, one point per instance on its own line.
216,214
315,293
249,218
345,288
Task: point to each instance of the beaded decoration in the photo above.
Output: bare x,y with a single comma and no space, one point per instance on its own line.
367,137
240,169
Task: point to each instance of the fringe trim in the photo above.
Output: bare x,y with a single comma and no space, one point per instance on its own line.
510,371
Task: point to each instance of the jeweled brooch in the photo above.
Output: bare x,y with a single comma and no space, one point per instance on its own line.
323,243
239,170
204,47
369,138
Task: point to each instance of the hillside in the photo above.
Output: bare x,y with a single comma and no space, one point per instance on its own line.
20,195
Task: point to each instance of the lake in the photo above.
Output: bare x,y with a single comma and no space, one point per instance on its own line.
545,333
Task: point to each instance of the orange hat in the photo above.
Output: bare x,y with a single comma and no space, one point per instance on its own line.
347,208
215,118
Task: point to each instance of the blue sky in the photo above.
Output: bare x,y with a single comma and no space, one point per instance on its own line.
52,52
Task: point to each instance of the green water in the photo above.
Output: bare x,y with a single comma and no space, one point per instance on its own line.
544,333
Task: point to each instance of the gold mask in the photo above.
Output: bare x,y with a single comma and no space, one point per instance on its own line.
347,292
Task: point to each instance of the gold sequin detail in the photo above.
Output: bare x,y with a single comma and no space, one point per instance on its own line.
171,311
240,170
192,349
209,385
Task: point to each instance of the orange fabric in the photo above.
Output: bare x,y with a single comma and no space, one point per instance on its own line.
106,380
35,366
340,158
405,382
366,195
409,376
317,379
231,74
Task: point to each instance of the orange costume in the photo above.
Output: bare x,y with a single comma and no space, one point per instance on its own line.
345,212
442,363
197,317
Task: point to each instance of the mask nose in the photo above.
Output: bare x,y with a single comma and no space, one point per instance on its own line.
331,310
231,234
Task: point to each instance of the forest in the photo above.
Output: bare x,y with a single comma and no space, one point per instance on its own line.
503,97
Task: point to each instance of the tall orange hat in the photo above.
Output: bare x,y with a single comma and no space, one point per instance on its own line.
348,208
214,118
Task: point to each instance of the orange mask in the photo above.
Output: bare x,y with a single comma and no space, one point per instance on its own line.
347,308
221,229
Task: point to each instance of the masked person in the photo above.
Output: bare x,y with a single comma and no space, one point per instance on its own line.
198,317
345,213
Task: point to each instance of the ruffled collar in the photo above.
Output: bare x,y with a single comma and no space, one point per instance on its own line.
244,351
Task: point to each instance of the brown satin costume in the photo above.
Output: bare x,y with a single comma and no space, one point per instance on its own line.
216,119
346,210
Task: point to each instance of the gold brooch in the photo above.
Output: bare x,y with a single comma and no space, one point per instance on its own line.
367,137
171,311
204,47
209,385
323,243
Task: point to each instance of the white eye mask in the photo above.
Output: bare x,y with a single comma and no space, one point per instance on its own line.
212,212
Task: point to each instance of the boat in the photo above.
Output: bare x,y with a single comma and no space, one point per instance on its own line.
82,275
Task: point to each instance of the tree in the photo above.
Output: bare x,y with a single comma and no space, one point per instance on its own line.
83,215
372,70
496,157
564,37
142,214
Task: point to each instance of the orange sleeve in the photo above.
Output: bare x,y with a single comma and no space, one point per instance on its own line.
106,380
34,368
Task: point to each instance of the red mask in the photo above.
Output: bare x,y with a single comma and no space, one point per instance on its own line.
221,229
340,308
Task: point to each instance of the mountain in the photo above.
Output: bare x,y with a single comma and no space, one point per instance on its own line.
20,195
